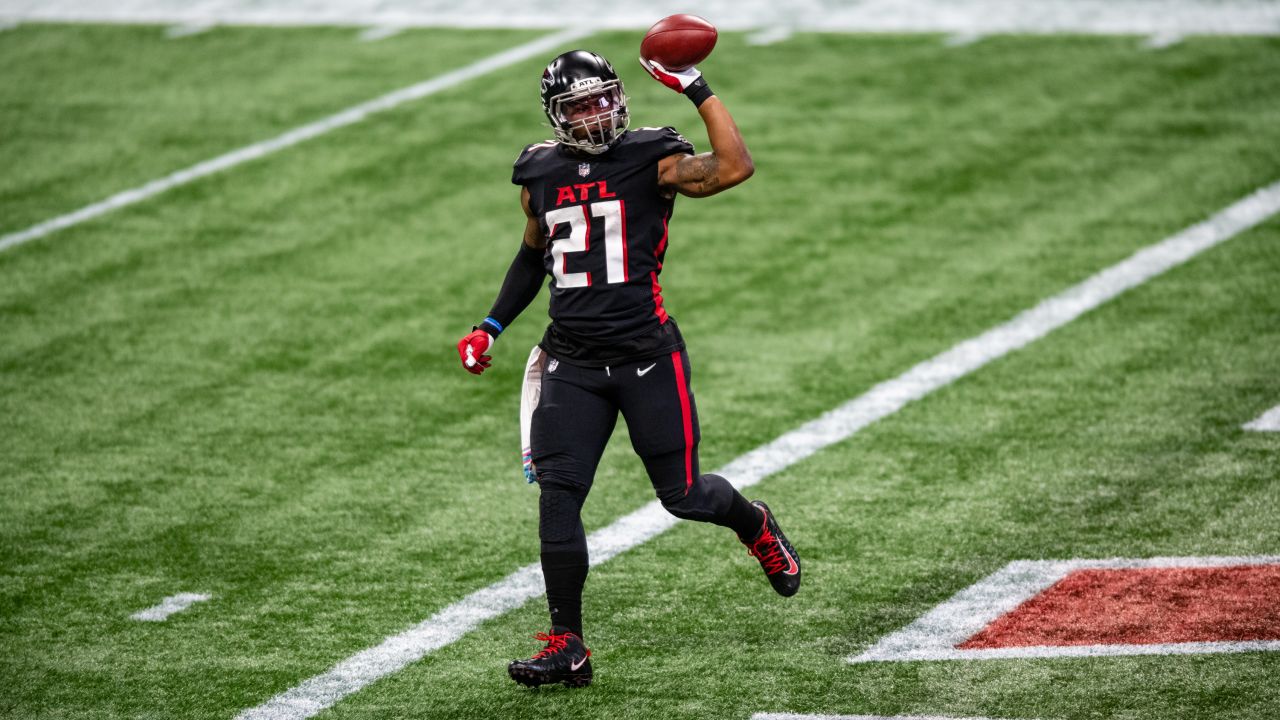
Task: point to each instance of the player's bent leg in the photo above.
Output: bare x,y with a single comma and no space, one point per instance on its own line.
712,498
662,419
709,498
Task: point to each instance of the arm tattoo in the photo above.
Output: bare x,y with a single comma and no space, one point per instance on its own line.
699,173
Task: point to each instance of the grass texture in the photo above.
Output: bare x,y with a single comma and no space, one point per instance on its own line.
247,386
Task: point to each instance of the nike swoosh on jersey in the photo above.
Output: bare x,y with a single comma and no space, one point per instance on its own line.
640,373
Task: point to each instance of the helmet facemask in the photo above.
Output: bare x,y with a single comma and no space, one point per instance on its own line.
590,116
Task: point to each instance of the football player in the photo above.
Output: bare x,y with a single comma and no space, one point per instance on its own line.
598,199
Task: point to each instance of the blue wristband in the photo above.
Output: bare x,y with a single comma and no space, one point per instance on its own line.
494,324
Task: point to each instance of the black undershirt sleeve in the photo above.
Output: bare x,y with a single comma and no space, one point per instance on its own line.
521,285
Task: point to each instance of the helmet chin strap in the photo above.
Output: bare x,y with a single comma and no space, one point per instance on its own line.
595,149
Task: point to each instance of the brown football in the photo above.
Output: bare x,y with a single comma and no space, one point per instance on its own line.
679,42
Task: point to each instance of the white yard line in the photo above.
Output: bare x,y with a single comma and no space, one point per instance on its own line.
935,635
170,605
347,117
456,620
1268,421
890,396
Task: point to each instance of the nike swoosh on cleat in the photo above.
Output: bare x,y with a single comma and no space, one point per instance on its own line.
573,667
793,568
641,373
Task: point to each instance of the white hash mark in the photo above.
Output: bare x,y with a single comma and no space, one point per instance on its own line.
1268,421
170,605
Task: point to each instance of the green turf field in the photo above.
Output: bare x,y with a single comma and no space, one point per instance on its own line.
248,387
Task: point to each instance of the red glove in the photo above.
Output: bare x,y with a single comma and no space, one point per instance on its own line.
472,349
678,80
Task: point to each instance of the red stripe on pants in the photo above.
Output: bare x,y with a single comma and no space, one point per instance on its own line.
687,417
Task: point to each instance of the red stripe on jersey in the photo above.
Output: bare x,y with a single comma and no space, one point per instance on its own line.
586,243
657,289
686,416
662,244
658,310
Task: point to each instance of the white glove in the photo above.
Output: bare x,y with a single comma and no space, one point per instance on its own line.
676,80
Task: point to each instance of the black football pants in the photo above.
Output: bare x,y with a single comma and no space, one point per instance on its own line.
574,419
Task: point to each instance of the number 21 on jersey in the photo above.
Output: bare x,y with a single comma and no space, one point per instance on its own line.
579,218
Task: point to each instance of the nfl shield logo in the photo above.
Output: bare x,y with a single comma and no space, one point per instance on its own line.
584,169
551,366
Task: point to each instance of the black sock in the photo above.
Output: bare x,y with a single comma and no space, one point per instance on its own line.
740,516
565,573
744,518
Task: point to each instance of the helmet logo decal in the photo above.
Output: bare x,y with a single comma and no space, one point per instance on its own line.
584,82
584,169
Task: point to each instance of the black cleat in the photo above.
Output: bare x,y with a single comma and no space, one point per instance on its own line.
564,660
780,561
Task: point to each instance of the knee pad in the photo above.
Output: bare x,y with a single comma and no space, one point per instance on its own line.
559,518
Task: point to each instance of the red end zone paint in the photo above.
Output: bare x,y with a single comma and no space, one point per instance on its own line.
1139,606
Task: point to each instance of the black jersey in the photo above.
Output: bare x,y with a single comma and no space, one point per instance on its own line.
606,219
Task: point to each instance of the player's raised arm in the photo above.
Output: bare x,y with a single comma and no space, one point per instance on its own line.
729,162
519,288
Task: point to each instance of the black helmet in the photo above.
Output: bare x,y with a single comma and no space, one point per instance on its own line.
573,86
